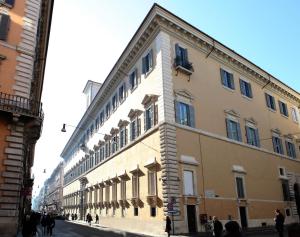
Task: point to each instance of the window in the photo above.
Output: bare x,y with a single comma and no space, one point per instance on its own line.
107,149
182,57
277,144
134,129
97,123
149,117
283,108
233,130
285,190
102,117
270,101
135,186
245,88
281,171
107,110
252,136
151,183
188,182
114,191
114,144
123,137
96,196
122,92
153,211
123,189
227,79
4,26
107,194
185,114
101,153
290,149
147,62
133,79
136,211
115,101
294,113
240,187
9,3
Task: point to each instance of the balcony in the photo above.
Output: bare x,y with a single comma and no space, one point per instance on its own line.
21,106
183,66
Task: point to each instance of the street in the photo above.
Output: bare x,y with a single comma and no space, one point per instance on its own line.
81,229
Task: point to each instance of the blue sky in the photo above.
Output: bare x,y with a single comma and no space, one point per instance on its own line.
88,36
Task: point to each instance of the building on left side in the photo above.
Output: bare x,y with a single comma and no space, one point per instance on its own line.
24,36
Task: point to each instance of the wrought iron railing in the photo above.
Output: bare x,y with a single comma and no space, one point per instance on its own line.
20,105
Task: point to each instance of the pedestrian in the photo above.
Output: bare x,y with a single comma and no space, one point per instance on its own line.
72,217
168,225
50,224
97,219
75,216
279,222
87,217
90,219
44,223
27,226
232,229
217,227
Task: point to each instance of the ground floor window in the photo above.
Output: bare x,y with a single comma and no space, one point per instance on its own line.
153,211
136,211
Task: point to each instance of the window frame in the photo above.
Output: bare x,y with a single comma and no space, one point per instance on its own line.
147,63
270,101
283,108
277,144
246,88
133,81
241,194
229,121
227,79
294,114
256,141
114,101
192,185
290,152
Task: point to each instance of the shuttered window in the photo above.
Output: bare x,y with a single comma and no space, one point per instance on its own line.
135,129
227,79
135,186
147,62
4,26
123,137
151,183
270,101
290,149
188,178
122,92
240,187
233,130
277,145
133,79
252,136
182,57
285,190
184,114
246,89
123,190
9,3
283,108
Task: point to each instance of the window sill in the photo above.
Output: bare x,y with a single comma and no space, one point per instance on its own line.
147,73
247,98
183,70
229,89
133,89
271,110
6,5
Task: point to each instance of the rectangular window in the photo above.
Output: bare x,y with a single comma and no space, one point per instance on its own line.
227,79
97,123
151,183
115,101
245,88
107,110
233,130
122,92
294,113
101,194
184,114
270,101
102,117
4,26
285,190
153,211
107,149
182,57
96,196
277,144
240,187
135,186
114,191
123,189
123,137
9,3
283,108
149,117
114,144
136,211
290,149
133,79
188,178
134,129
107,193
101,153
147,62
252,136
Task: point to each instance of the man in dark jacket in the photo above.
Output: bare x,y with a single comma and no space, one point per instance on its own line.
50,224
279,221
217,227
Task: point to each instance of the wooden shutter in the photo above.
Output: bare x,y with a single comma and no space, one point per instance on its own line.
267,100
177,111
239,132
231,80
274,144
150,55
145,120
178,59
125,140
185,57
242,87
155,114
223,79
280,146
144,70
4,26
138,125
192,116
229,133
152,115
247,134
280,107
257,137
250,91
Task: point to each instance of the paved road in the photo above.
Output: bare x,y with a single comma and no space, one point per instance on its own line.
69,229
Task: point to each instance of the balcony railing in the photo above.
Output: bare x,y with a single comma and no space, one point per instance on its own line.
21,105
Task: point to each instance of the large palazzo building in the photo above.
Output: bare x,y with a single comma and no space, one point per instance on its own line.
24,36
185,125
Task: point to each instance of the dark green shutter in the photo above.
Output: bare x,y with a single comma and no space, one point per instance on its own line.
229,134
257,138
4,26
150,55
250,91
192,115
242,87
248,134
223,79
231,81
144,70
239,132
274,143
178,59
177,111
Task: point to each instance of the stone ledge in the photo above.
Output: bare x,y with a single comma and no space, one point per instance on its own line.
11,175
13,163
10,194
9,199
10,187
13,151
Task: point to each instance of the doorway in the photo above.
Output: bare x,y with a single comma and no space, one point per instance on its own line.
191,216
243,217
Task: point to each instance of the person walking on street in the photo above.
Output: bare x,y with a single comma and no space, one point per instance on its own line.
44,223
97,219
168,225
232,229
279,222
27,226
217,227
50,224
